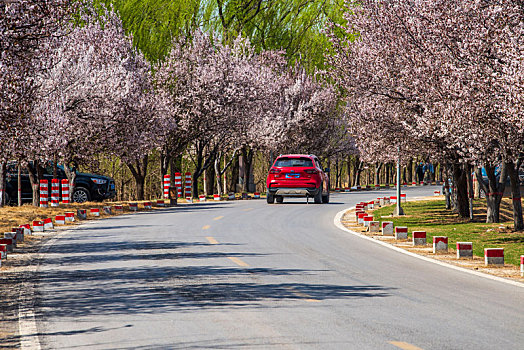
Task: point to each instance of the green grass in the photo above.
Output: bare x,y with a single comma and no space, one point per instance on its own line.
432,217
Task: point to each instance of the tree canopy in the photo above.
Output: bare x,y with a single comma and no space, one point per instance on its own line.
293,26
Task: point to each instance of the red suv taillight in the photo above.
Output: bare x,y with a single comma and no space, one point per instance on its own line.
274,171
311,171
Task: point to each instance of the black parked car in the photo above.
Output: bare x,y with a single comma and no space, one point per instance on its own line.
88,187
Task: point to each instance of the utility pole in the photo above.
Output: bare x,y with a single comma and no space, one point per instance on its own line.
398,209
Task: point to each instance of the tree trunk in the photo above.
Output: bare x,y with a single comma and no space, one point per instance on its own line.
71,177
378,166
139,171
470,190
55,167
3,184
35,174
218,174
175,165
202,164
247,157
165,161
19,184
512,170
447,194
358,171
234,174
210,179
461,190
337,174
409,171
348,168
494,190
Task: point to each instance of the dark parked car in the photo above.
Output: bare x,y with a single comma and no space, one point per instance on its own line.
88,187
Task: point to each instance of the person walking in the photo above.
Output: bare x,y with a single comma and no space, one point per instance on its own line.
420,172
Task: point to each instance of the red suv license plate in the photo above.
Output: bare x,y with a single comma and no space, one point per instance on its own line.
292,176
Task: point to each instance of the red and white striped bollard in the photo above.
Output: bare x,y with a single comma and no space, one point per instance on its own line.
65,191
55,192
44,194
167,183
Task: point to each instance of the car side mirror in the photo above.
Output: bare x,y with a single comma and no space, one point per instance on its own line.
326,170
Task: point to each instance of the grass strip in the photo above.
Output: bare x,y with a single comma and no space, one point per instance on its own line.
433,217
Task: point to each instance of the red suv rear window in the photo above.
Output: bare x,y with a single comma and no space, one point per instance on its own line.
294,162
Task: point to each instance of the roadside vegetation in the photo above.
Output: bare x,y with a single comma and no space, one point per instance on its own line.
433,217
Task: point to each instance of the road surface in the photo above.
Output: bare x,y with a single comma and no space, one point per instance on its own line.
248,275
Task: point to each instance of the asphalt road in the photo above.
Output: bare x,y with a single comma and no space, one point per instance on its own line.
250,275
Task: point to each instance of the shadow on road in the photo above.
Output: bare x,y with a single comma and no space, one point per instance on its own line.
163,289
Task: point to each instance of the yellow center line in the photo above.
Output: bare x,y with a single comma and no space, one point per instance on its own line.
238,261
304,296
212,240
405,346
206,227
218,218
247,209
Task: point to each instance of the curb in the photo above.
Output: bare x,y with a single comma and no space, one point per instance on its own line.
338,224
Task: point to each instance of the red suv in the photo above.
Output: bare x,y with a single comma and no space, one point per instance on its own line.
297,175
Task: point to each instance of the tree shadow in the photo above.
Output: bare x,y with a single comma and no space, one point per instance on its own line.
73,246
151,290
104,258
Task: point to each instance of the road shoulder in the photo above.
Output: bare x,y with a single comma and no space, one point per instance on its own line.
510,275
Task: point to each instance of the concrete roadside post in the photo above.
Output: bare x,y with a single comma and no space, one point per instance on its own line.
60,219
9,243
38,226
361,217
387,228
70,216
374,226
19,231
81,214
3,251
401,232
440,244
367,220
494,256
464,250
48,224
27,229
11,235
419,238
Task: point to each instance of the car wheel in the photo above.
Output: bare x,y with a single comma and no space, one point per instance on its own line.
325,199
270,198
81,195
318,196
279,199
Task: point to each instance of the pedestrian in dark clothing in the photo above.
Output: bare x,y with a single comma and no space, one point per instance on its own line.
420,172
